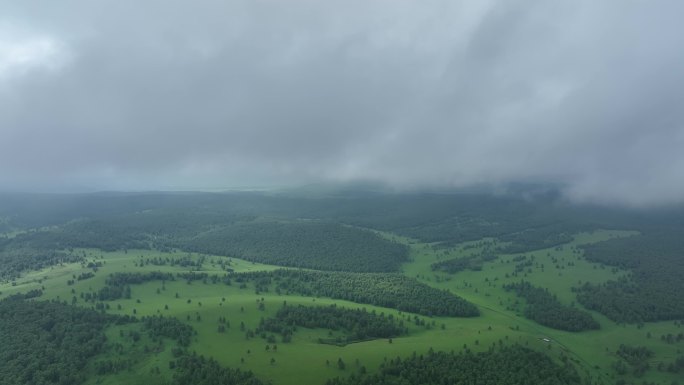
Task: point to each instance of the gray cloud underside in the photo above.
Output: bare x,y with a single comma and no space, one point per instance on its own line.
210,94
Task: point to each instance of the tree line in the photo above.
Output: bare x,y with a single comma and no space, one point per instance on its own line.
635,356
380,289
307,244
14,261
470,262
543,307
511,365
653,291
117,285
313,245
357,324
168,327
193,369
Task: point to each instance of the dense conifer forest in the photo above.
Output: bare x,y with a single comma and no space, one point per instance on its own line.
388,290
357,324
48,343
306,244
541,306
653,292
514,365
17,261
321,246
169,327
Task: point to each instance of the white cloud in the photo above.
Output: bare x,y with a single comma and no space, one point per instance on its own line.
21,53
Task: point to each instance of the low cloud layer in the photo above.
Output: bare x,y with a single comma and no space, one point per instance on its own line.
217,94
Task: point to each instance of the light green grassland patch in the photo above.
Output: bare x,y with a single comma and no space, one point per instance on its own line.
232,346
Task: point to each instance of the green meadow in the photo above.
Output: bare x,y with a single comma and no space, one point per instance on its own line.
305,360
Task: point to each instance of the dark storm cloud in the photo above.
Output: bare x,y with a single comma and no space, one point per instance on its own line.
213,94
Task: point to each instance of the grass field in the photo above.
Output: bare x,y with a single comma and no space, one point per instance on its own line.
303,360
595,349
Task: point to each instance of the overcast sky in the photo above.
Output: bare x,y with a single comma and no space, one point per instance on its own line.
165,94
